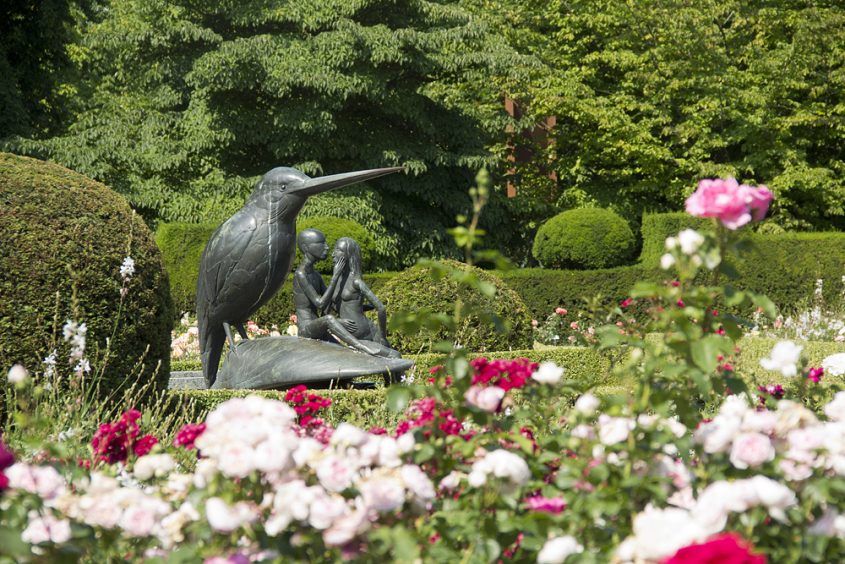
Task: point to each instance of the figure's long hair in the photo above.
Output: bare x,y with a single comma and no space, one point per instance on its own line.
353,255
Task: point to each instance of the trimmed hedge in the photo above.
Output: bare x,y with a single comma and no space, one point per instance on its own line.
754,348
656,227
584,238
414,290
334,228
63,238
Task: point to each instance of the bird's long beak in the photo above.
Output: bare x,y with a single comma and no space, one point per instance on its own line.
325,183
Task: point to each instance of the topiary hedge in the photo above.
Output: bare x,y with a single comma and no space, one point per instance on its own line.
584,238
64,238
414,290
656,227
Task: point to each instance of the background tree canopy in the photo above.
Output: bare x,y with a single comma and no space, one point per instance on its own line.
652,95
180,105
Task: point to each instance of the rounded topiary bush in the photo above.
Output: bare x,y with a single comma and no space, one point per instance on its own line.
584,238
414,290
63,238
334,228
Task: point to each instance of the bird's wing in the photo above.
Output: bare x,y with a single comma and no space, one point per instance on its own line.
223,253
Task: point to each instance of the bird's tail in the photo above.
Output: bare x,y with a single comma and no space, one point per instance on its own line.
212,348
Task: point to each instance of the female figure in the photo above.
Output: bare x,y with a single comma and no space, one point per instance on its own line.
350,295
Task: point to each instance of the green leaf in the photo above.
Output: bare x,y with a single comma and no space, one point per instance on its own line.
398,398
705,351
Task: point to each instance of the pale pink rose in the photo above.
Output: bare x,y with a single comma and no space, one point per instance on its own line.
226,518
775,496
587,404
324,510
348,526
659,533
417,482
717,435
46,528
835,409
271,456
451,481
720,198
236,460
488,398
382,493
759,422
558,549
388,454
561,311
501,464
795,471
758,200
335,474
100,511
751,449
138,520
807,438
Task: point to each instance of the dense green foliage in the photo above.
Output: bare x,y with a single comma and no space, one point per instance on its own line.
414,290
191,102
64,240
334,228
656,227
652,95
584,239
181,247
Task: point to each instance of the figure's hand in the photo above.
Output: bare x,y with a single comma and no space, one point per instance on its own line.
339,265
349,325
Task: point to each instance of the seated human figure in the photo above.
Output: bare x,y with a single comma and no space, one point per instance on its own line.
349,299
312,297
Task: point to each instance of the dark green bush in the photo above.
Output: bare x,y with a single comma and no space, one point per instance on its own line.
64,234
414,290
584,238
334,228
181,247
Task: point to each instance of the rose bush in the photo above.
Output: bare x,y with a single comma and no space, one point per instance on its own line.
685,466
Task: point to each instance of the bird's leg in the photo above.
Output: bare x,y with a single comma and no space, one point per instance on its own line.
242,331
228,329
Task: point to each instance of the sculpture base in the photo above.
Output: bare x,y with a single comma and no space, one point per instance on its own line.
281,362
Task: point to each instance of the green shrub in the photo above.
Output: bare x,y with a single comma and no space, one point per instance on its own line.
64,234
181,247
334,228
584,238
414,290
656,227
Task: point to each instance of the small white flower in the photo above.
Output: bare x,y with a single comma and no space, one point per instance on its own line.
671,243
667,261
835,409
783,358
558,549
548,373
690,241
18,374
127,269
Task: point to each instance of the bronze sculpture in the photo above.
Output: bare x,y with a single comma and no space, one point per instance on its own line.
248,257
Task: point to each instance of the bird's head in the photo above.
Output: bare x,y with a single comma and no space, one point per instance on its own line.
285,189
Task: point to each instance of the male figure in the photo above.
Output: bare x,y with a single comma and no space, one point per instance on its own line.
311,296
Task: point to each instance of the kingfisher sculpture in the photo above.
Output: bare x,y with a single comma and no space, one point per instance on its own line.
248,257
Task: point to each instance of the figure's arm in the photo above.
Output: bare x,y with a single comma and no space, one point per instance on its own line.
379,307
313,295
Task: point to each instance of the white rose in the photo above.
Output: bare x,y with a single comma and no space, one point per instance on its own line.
792,415
405,443
783,358
138,520
659,533
487,398
614,430
587,404
717,435
835,409
324,510
690,241
417,482
751,449
830,524
505,464
347,527
759,422
349,435
451,481
157,465
667,261
226,518
388,454
558,549
44,481
271,456
382,493
671,243
775,496
834,365
46,529
236,460
548,373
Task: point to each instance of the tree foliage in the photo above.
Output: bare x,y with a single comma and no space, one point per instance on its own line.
192,101
654,94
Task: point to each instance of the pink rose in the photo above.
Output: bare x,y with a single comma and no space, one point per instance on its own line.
758,200
751,449
720,198
561,311
488,398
